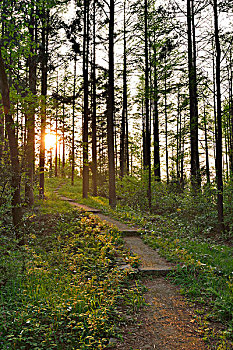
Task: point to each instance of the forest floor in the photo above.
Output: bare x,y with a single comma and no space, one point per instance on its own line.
167,321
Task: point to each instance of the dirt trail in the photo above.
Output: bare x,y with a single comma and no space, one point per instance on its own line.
166,322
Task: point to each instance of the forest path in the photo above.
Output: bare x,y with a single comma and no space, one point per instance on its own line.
167,322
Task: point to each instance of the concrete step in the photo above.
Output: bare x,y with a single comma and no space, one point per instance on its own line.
151,262
124,229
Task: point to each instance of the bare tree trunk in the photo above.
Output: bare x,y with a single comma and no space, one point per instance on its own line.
63,139
166,121
10,129
124,127
44,62
231,119
206,150
156,122
30,145
178,127
73,126
85,119
110,111
147,126
94,146
195,171
56,129
219,121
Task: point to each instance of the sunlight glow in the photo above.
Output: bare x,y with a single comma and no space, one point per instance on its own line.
50,141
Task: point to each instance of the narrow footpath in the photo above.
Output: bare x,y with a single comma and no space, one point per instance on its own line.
167,322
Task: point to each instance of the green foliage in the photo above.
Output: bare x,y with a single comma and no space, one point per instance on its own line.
66,287
5,192
184,228
74,192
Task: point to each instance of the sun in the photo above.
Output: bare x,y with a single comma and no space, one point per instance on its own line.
50,140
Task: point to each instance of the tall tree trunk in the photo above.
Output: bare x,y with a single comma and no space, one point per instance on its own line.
94,146
147,126
123,144
30,145
73,126
10,129
178,126
195,171
156,121
63,139
206,150
219,121
56,130
44,62
110,111
231,117
182,144
85,116
166,121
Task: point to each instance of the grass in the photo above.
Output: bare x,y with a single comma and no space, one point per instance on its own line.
62,289
75,192
182,227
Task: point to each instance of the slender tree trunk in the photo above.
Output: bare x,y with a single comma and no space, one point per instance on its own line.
231,120
147,126
219,121
143,137
44,61
182,142
178,138
94,146
226,149
206,150
156,121
195,171
85,116
30,145
123,152
56,130
110,111
73,126
14,156
166,123
63,139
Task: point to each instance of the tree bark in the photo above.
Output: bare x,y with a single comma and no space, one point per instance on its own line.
147,126
14,156
195,170
44,62
219,121
73,125
206,150
124,136
110,111
30,125
94,146
156,121
56,129
85,116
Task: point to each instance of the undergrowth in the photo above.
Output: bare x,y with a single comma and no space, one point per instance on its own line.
184,228
62,289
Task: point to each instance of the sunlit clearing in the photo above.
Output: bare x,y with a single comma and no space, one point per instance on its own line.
50,141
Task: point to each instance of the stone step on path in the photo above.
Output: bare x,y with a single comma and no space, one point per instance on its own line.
151,263
80,206
124,229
